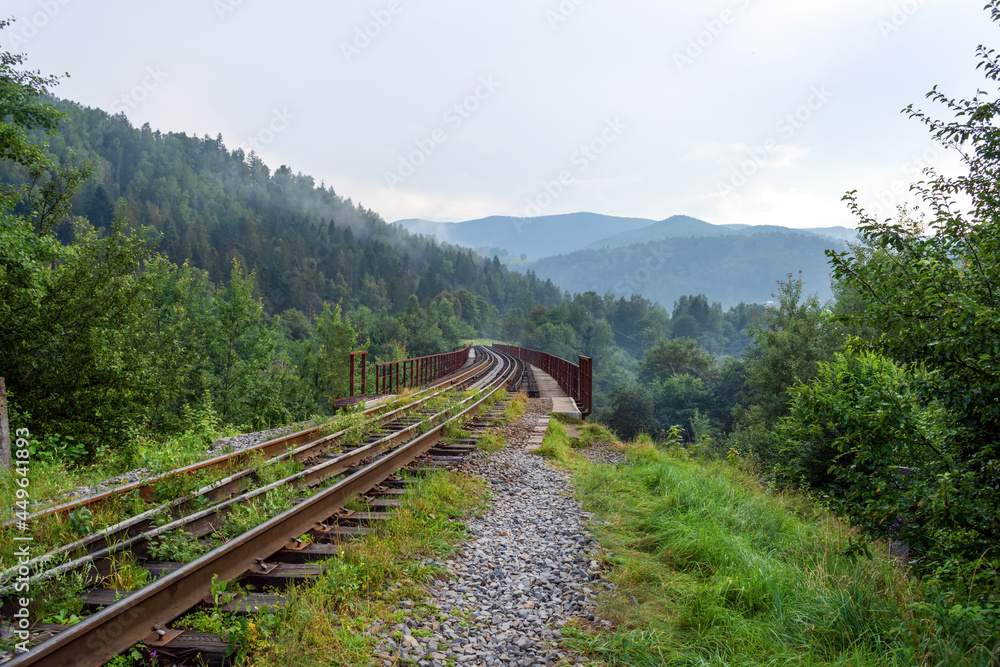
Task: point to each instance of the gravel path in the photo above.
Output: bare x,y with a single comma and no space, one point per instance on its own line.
529,567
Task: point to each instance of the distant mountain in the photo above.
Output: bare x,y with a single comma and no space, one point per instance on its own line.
842,233
546,236
680,226
532,237
729,269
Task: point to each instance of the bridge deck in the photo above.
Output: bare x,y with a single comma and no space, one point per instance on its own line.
549,388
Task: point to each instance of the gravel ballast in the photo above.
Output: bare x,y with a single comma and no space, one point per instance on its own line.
528,568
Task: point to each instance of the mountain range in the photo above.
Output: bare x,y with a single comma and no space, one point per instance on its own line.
662,260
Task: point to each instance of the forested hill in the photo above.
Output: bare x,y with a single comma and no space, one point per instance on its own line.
307,244
732,268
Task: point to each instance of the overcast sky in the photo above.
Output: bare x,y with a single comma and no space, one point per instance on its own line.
733,111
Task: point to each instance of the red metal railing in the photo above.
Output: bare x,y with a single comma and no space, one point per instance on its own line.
364,371
392,375
576,380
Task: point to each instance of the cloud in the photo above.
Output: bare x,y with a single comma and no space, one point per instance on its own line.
788,208
400,203
730,156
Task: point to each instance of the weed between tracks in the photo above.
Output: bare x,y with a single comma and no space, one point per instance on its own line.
357,427
334,619
51,481
515,410
330,620
712,569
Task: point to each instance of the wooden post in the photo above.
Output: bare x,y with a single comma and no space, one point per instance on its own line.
5,459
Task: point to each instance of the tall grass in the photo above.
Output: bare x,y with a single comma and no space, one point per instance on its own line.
711,569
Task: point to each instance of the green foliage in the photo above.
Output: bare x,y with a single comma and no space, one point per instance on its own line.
900,431
356,425
789,342
631,412
177,546
245,634
246,516
668,358
684,386
860,432
890,460
58,448
929,296
125,573
81,521
61,597
337,339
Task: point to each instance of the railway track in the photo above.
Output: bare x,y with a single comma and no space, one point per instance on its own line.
270,554
309,447
235,460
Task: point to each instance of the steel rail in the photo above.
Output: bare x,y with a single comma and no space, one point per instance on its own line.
130,532
103,635
213,493
146,488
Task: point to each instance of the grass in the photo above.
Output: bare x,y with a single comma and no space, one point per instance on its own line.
712,569
177,546
515,409
593,434
328,621
358,426
52,480
53,531
558,445
126,574
246,516
490,441
331,619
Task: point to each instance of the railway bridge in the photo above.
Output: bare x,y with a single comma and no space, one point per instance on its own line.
368,459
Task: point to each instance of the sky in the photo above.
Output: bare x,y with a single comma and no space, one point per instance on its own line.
732,111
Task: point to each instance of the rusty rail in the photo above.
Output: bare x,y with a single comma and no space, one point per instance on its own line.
233,460
576,380
138,616
391,376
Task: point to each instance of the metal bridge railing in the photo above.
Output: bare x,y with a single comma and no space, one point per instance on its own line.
393,375
575,379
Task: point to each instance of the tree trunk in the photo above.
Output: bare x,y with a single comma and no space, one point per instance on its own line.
5,460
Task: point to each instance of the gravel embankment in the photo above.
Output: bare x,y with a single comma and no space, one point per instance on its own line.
529,567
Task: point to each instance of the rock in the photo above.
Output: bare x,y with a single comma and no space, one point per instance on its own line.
529,566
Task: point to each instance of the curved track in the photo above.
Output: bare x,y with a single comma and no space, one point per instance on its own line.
144,614
232,460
